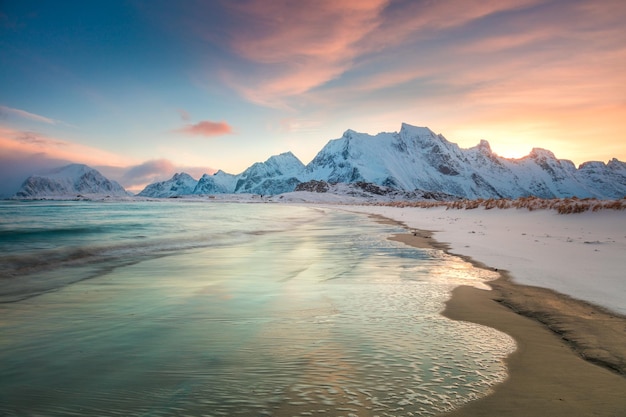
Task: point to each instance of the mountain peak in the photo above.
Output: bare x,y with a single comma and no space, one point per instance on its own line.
540,153
408,129
283,164
180,184
182,176
484,145
285,156
349,134
71,170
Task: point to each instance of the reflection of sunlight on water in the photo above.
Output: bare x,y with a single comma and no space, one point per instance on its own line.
454,271
326,317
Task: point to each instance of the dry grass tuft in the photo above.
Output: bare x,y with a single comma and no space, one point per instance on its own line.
561,205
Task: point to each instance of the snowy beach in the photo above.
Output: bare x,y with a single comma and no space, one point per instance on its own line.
581,255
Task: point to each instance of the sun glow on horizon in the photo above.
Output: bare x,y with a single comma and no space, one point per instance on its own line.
516,143
512,151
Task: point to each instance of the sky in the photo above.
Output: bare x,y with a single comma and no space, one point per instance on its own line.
141,89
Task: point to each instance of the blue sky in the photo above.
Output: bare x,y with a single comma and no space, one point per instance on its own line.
143,89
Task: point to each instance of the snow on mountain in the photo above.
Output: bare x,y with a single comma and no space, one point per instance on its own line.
180,184
279,174
70,181
606,179
416,158
218,183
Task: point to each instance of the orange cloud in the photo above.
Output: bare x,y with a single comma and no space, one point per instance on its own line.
207,128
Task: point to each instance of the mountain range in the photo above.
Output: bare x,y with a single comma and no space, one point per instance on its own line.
414,161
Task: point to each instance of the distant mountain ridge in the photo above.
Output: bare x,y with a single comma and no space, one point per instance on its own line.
414,159
70,181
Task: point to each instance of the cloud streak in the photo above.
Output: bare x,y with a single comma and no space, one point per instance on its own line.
26,115
297,46
206,128
299,51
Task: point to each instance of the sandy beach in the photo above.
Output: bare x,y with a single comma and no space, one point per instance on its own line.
571,356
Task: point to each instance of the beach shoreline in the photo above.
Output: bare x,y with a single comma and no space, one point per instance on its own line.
579,255
561,341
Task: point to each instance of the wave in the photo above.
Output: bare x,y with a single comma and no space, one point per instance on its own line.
27,275
44,247
47,233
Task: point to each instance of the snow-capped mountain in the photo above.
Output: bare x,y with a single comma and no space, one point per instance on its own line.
180,184
418,159
218,183
605,178
70,181
279,174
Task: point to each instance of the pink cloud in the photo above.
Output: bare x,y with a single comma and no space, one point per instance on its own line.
420,20
207,128
136,177
299,46
305,46
530,56
280,31
23,153
150,169
18,142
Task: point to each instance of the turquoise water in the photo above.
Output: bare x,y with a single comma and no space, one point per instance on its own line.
209,309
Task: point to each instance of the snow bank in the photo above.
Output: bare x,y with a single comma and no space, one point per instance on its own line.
582,255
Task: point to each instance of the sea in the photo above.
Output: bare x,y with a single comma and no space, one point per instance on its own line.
199,308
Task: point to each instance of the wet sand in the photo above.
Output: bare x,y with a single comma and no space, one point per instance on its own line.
571,356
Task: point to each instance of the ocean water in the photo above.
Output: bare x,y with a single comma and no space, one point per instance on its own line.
213,309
